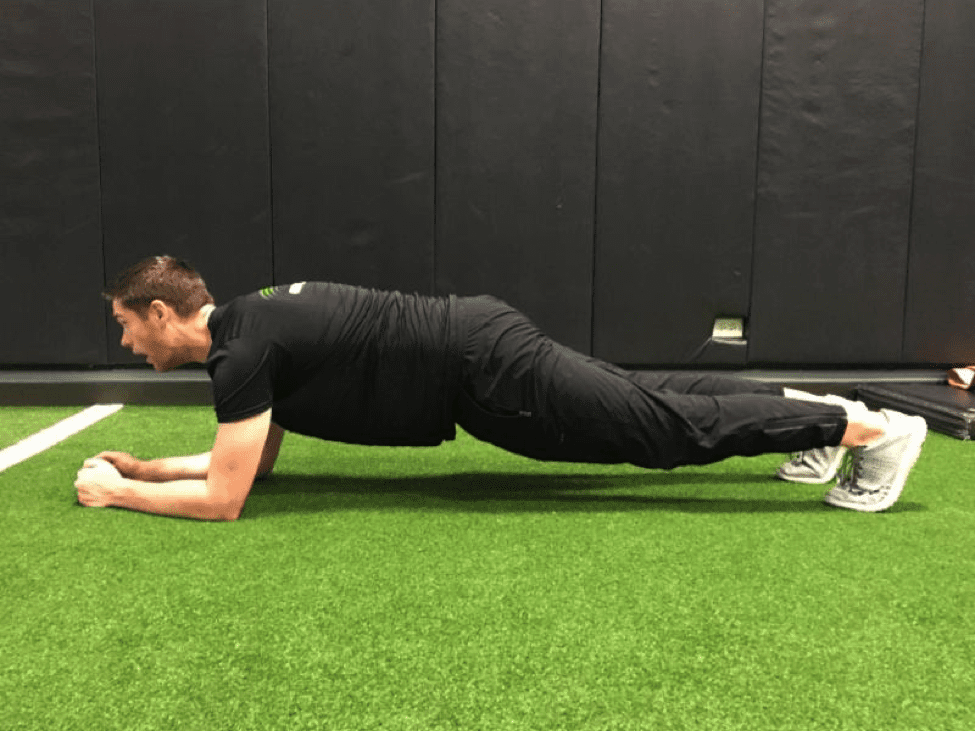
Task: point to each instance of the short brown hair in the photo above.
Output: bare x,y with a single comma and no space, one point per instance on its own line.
172,280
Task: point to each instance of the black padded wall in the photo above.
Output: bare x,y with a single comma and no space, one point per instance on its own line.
352,115
182,100
834,187
516,143
625,172
940,317
50,249
679,94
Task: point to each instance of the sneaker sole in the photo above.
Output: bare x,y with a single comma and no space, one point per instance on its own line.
912,452
808,481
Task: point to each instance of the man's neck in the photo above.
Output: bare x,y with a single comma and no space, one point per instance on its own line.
202,334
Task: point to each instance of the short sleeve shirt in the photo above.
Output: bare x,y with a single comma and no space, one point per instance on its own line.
339,362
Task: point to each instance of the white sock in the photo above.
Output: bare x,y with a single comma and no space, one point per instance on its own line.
854,410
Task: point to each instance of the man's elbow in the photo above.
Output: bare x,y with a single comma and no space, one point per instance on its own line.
226,491
227,506
232,514
227,510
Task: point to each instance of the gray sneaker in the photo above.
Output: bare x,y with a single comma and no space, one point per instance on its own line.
874,476
813,466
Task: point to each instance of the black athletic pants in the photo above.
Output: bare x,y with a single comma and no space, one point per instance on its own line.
527,394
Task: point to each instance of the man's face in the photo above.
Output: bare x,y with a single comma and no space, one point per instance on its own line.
144,337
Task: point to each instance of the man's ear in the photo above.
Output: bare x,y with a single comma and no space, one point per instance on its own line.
158,311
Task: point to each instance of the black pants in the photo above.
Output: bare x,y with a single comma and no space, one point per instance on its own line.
527,394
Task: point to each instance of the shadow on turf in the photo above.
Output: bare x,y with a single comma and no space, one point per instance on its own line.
525,492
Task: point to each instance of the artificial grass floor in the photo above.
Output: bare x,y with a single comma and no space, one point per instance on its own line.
462,587
20,422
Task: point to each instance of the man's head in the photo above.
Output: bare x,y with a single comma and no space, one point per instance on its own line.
158,303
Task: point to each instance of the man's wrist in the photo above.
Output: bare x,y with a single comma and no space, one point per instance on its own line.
121,490
145,472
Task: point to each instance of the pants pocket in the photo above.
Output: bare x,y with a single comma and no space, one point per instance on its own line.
518,432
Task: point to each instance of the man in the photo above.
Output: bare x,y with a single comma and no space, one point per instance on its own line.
383,368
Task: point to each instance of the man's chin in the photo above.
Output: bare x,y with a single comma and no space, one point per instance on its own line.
167,366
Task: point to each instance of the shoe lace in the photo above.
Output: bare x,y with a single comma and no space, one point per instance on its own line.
849,473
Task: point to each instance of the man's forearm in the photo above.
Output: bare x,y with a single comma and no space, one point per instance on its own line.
186,498
190,467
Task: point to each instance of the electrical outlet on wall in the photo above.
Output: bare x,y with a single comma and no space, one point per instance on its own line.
728,329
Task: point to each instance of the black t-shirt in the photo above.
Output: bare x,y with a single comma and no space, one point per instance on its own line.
339,362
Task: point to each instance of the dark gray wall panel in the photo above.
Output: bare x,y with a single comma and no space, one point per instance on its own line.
940,322
50,248
182,93
351,90
516,144
679,96
835,171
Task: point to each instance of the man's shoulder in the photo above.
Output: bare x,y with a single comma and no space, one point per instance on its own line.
241,351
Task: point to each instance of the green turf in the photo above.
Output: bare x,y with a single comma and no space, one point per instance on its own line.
464,588
16,423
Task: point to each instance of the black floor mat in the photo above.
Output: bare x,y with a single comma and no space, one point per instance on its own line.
946,409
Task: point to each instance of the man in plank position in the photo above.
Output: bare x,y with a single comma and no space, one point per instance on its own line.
384,368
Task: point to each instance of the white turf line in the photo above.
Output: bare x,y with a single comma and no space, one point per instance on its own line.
49,437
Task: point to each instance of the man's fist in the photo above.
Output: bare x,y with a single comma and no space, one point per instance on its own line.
97,482
127,466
